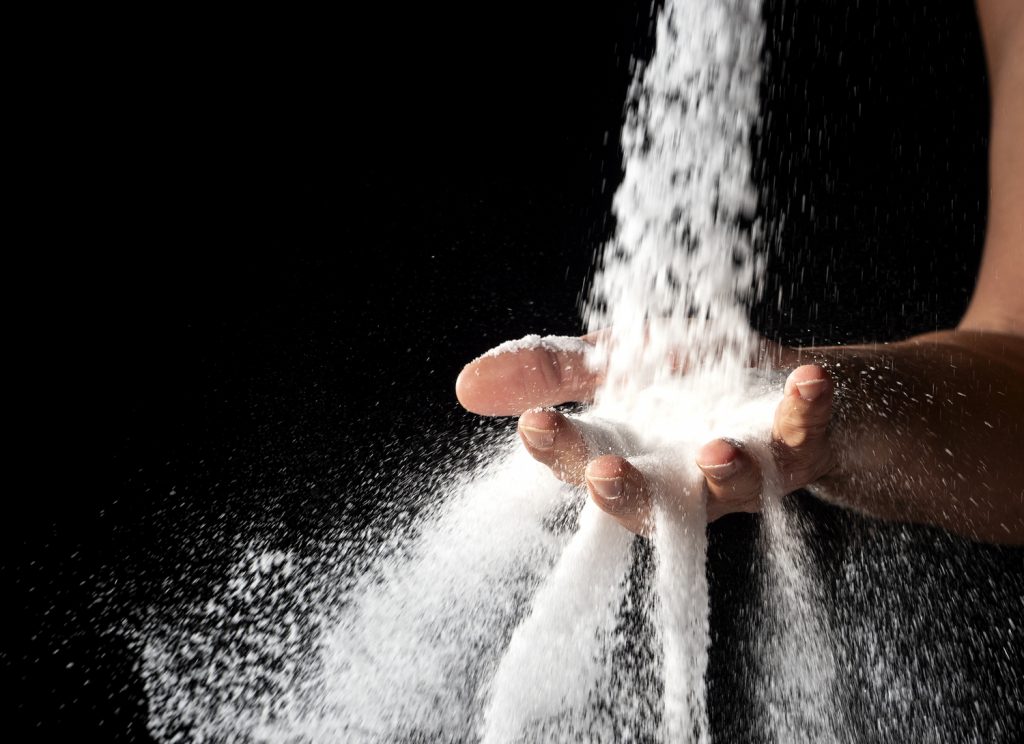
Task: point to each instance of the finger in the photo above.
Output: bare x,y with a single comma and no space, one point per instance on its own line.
554,441
733,478
513,378
619,489
800,430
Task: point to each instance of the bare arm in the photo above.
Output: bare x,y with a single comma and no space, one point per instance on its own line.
931,430
998,302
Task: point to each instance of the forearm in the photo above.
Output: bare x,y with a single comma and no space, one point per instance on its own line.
998,303
930,430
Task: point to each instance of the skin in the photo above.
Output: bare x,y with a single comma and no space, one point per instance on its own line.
927,430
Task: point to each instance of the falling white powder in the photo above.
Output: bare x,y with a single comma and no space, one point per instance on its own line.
556,659
674,280
426,628
222,669
672,290
799,692
498,620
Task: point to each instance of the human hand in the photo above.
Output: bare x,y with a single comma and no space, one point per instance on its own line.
525,381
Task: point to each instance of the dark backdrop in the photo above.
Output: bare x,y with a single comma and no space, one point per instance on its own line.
288,231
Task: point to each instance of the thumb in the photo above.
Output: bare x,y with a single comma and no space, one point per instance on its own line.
800,430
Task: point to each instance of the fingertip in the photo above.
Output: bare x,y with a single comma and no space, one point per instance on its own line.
807,373
609,466
512,377
541,418
802,417
733,477
717,455
496,385
606,492
722,460
613,483
554,440
462,385
809,382
468,390
539,427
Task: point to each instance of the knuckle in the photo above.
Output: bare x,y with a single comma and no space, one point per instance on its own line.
552,371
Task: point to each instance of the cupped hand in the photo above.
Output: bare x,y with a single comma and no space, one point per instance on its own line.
526,381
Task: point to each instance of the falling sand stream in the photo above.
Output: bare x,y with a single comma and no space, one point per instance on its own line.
511,608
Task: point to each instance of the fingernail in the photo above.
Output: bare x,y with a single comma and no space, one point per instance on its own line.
539,438
608,489
720,472
811,389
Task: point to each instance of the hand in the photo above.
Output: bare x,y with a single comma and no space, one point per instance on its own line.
523,382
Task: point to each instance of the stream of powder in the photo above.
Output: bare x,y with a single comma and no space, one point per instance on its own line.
508,612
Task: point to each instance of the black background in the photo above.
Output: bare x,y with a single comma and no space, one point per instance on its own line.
283,234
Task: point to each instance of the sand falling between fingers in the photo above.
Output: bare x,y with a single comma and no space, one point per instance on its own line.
512,608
